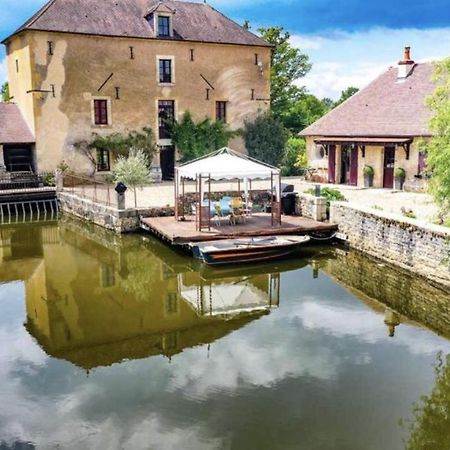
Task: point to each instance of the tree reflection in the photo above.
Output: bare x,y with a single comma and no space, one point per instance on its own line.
430,429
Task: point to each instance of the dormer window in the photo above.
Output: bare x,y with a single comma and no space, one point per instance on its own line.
163,26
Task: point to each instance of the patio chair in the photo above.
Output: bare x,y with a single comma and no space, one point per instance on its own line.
237,211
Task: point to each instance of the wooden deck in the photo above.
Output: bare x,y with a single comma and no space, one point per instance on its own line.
179,233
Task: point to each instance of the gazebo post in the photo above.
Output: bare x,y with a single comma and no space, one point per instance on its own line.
209,203
279,198
271,196
176,194
199,209
183,193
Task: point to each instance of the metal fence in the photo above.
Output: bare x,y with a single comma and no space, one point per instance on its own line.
21,181
28,211
91,189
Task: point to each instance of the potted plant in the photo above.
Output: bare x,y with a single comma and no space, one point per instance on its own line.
368,173
399,178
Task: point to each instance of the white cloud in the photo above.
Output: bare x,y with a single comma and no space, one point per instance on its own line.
342,59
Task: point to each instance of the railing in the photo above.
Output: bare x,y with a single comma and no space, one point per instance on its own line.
28,211
91,189
20,181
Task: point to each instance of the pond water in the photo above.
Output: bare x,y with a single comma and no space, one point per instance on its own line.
123,343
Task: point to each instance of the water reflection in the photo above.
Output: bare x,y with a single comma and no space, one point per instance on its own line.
307,337
95,305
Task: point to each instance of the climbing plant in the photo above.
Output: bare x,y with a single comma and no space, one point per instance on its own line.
194,140
119,144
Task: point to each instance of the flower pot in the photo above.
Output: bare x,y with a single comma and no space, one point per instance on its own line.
368,181
398,183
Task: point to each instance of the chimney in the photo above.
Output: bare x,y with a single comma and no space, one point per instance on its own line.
406,65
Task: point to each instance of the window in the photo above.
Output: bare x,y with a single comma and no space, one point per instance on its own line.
163,26
100,112
103,161
166,115
221,111
17,65
50,47
131,52
171,304
165,71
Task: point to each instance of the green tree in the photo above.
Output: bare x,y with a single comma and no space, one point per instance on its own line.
346,94
194,140
304,112
265,139
289,64
133,170
294,157
431,426
438,147
5,92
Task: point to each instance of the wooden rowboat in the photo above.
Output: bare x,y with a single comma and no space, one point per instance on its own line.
240,251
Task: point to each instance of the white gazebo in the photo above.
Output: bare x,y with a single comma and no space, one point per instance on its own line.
224,164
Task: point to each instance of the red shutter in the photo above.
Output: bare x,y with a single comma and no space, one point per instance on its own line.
101,112
332,164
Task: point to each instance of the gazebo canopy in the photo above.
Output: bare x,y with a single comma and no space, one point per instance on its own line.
227,164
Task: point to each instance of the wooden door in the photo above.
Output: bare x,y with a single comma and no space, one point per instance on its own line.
332,164
167,161
389,163
354,166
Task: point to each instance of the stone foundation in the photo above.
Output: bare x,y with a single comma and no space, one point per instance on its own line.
408,243
119,221
312,207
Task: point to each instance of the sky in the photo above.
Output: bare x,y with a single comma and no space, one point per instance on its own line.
349,42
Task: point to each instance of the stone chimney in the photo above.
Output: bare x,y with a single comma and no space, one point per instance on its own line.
406,65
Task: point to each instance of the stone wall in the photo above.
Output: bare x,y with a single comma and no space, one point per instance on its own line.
398,289
312,207
119,221
408,243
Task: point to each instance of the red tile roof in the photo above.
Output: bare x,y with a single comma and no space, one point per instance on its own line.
386,107
13,128
191,21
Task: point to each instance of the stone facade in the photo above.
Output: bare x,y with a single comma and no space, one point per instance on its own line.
408,243
55,92
398,289
373,156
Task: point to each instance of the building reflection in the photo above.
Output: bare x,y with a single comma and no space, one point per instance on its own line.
95,303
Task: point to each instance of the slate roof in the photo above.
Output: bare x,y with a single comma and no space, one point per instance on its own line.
13,128
191,22
386,107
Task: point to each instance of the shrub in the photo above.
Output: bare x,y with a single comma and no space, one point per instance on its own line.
400,173
368,171
330,195
295,159
48,179
265,139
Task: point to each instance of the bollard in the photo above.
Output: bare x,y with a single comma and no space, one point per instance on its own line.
121,189
317,190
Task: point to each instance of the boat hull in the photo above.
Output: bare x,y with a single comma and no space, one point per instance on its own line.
239,252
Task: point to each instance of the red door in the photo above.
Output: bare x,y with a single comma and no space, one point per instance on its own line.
389,163
332,164
354,166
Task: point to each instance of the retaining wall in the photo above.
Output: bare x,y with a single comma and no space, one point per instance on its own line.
119,221
312,207
408,243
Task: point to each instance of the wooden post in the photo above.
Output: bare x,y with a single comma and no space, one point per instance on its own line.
199,209
183,198
209,203
176,194
271,196
279,198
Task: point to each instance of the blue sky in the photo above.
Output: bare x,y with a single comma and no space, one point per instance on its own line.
349,42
